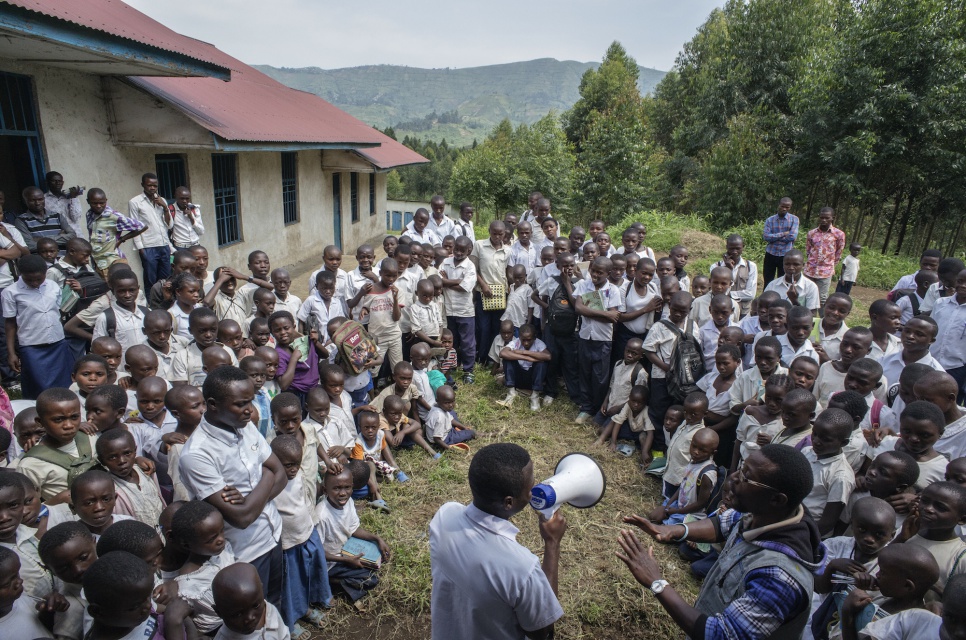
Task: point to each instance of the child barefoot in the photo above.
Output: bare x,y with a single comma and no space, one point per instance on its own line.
694,493
401,431
632,419
442,428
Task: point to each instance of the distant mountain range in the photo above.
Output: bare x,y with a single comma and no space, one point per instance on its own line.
457,104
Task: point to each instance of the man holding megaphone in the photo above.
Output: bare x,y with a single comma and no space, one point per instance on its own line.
487,586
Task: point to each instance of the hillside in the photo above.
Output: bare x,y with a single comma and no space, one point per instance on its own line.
389,95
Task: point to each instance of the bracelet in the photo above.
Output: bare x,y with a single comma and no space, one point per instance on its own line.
685,536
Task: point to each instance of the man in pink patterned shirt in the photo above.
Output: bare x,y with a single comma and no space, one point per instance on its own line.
823,250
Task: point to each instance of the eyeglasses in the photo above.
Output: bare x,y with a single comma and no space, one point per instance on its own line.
744,479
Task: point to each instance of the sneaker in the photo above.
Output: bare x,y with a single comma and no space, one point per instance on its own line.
469,378
548,400
506,402
583,418
535,402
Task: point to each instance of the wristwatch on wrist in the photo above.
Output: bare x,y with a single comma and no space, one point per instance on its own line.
658,586
251,278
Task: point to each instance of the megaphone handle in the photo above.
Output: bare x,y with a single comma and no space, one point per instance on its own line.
549,511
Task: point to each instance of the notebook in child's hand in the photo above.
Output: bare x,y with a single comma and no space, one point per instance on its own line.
371,556
594,300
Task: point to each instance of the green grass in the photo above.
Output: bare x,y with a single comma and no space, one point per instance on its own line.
600,598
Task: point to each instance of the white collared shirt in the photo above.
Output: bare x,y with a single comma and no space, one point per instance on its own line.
463,228
832,481
492,261
442,228
709,333
341,282
893,364
950,345
498,591
315,308
807,291
215,458
747,294
37,312
428,235
701,309
143,209
274,629
893,345
292,303
231,308
6,278
660,340
186,230
591,329
952,443
128,326
188,367
424,317
459,301
527,256
354,283
789,353
58,272
831,343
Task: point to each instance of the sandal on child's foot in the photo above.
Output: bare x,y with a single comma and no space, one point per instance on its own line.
359,606
298,633
437,456
315,617
380,505
401,477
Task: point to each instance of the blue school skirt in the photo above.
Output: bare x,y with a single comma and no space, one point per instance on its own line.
306,579
45,366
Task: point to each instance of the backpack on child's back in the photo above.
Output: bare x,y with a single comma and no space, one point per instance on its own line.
561,315
687,362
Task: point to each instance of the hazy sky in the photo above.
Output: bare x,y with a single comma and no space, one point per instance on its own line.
430,33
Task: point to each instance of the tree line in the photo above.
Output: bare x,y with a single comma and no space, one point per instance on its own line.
859,105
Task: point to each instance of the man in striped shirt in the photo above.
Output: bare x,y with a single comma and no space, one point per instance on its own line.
36,222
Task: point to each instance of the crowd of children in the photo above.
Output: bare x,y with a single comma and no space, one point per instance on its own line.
243,423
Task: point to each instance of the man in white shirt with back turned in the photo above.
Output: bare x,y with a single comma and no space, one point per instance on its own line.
485,584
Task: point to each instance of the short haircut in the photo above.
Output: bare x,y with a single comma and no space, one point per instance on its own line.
114,394
791,473
90,357
909,472
288,444
852,402
114,574
954,593
32,264
770,342
881,306
119,276
922,410
324,277
111,436
839,295
280,314
496,472
867,366
60,535
931,253
805,360
218,382
838,420
913,373
54,395
89,477
182,255
799,313
8,479
731,350
781,304
696,398
950,267
285,400
402,367
6,555
953,488
199,314
368,415
185,519
132,536
181,280
804,396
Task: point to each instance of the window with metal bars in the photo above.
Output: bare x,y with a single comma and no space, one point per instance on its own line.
172,173
354,195
372,194
224,178
290,187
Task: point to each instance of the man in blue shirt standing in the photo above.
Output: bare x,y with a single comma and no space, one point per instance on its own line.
780,233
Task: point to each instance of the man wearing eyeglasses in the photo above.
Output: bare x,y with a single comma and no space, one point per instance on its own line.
762,583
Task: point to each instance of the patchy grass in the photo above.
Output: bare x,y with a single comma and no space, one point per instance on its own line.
600,598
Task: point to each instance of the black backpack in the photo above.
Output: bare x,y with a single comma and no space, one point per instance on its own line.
561,315
110,317
907,293
687,363
92,288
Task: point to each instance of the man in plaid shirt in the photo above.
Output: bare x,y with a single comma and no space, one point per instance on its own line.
108,230
780,233
762,583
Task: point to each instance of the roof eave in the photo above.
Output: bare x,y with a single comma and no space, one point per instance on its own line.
155,61
385,168
221,144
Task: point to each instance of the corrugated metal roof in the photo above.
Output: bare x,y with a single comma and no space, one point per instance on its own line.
121,20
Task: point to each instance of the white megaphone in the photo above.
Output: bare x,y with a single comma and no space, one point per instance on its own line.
578,481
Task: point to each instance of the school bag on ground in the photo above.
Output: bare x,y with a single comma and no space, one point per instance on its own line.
687,362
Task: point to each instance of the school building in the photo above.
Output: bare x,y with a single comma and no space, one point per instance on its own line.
102,93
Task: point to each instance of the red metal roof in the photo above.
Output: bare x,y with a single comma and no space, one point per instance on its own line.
121,20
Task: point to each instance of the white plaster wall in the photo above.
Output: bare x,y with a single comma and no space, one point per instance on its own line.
74,119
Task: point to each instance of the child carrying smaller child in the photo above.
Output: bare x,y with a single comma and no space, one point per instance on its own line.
700,475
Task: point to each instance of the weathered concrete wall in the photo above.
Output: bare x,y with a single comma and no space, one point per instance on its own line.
76,115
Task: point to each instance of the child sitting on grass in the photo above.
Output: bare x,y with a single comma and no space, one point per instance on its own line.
833,478
502,339
679,446
401,431
445,431
306,577
694,493
448,362
371,448
338,521
631,423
